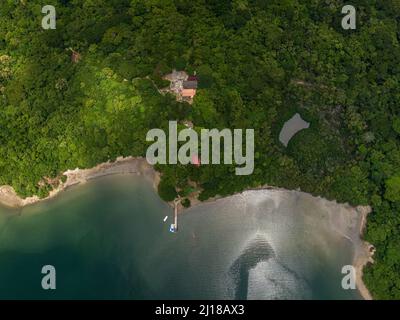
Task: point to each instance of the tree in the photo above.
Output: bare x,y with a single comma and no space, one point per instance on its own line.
393,189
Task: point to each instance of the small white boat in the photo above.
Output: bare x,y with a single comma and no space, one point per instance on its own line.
166,218
173,228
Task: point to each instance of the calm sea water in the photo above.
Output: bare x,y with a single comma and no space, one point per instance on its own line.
107,240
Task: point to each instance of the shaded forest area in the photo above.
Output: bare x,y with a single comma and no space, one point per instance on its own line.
258,62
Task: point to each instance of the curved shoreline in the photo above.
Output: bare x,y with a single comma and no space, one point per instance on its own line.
139,166
129,165
363,251
364,255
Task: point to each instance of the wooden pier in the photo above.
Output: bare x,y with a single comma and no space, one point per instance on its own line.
174,226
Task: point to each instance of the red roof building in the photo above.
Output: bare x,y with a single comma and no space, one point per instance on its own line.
188,93
190,87
196,160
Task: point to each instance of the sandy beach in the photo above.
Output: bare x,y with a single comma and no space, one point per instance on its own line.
139,166
130,165
364,254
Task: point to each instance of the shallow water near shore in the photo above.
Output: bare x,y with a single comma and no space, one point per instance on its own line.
107,240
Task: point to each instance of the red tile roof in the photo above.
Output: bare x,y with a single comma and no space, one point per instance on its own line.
190,93
196,160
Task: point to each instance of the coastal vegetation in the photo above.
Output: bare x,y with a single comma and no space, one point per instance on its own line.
258,63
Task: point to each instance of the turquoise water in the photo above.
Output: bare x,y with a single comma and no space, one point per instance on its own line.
107,240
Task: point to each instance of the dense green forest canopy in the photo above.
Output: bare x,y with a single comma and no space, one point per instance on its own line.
259,62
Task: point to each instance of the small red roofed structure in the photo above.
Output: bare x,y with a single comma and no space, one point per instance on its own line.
189,89
189,93
196,160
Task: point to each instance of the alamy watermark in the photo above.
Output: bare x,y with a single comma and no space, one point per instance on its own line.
49,21
349,280
49,280
349,21
159,153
